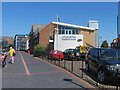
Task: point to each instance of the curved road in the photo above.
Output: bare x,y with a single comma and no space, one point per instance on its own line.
31,72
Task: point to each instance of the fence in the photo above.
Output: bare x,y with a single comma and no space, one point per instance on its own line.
78,68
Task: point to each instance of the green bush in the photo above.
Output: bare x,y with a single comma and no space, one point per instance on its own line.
104,44
39,50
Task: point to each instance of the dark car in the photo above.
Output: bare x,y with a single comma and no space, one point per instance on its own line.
56,54
71,54
104,62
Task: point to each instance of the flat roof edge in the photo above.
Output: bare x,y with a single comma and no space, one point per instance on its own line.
75,26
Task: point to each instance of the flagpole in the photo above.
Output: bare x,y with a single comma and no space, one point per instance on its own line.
57,18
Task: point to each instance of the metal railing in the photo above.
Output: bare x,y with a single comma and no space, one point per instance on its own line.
77,67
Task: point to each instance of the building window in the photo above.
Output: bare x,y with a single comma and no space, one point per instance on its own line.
76,32
63,31
66,32
59,31
73,31
70,32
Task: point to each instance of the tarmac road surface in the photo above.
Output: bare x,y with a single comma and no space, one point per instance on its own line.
31,72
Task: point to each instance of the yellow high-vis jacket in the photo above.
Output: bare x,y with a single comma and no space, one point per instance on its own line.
11,52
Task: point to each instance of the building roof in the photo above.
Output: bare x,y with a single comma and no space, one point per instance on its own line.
75,26
38,27
19,34
93,21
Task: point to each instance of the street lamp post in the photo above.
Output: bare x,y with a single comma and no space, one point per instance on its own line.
99,41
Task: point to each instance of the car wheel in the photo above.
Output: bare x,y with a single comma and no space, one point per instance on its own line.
77,54
101,76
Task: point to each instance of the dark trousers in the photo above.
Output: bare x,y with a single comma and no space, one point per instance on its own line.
3,63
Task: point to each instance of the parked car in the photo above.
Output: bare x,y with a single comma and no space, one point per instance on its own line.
56,54
83,51
71,54
104,62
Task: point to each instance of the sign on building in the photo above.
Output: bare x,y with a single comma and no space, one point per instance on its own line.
63,42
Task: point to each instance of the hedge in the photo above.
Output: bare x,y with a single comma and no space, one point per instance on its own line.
39,50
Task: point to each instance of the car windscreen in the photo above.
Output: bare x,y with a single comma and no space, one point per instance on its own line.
118,53
108,53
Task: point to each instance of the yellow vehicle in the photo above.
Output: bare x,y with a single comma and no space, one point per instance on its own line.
83,51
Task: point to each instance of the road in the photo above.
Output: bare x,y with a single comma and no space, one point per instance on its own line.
31,72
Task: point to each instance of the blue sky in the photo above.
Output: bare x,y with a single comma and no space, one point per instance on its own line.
17,18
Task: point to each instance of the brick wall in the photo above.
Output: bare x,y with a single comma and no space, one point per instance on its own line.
88,37
44,35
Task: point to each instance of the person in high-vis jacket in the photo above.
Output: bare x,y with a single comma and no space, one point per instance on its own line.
12,55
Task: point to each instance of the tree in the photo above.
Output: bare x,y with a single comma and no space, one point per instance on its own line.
39,50
104,44
7,42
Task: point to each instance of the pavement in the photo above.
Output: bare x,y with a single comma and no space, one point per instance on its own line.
31,72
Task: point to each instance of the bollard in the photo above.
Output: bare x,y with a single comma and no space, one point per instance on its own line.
48,58
72,65
29,51
82,69
59,60
64,64
51,60
55,61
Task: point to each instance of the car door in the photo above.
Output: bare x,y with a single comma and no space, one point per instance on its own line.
93,60
66,54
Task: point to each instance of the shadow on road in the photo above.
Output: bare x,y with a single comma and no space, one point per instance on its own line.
70,80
